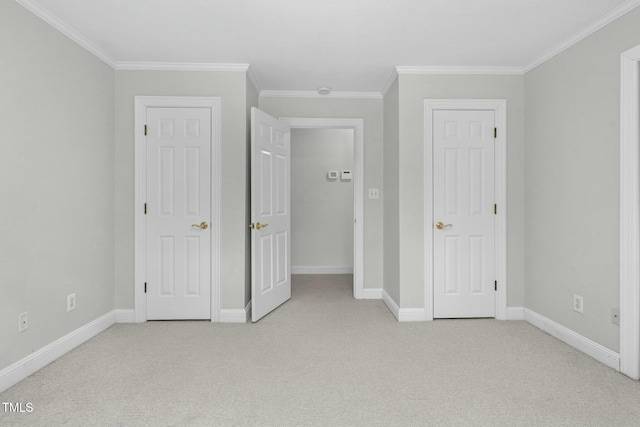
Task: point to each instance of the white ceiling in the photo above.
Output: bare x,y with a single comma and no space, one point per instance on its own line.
348,45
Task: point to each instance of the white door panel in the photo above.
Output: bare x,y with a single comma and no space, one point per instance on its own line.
270,205
178,199
464,264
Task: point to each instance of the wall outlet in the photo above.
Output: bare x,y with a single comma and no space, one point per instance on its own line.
23,321
578,304
615,316
71,302
374,193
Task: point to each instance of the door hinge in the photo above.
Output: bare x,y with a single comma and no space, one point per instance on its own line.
495,132
145,208
495,209
145,130
145,287
495,285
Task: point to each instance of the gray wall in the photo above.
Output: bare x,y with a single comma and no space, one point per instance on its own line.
392,187
572,181
371,111
231,88
321,209
414,89
56,181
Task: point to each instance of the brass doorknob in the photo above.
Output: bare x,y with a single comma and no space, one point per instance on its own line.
440,225
258,226
203,225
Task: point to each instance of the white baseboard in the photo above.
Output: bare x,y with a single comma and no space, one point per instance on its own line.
37,360
582,343
404,314
420,314
125,316
515,313
235,315
412,315
322,269
391,304
372,293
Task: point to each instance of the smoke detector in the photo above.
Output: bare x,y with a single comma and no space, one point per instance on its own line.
324,90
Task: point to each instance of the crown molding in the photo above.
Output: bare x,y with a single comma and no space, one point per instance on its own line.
56,23
408,69
254,80
179,66
616,13
313,94
390,80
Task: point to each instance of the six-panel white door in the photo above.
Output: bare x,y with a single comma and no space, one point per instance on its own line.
270,213
178,213
463,204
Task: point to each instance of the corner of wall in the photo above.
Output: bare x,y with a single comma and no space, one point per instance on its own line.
252,100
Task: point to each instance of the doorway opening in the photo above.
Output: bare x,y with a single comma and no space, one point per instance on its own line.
322,216
308,221
321,201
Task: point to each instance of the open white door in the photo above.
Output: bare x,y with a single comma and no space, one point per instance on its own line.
270,213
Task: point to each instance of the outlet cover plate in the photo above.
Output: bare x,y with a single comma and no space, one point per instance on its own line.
578,303
615,316
23,321
71,302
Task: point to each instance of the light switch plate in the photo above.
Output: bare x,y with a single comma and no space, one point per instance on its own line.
374,193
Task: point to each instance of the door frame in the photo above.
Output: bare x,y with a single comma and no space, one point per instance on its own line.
357,125
141,103
630,213
499,107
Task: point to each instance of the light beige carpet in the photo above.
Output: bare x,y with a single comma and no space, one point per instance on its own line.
324,358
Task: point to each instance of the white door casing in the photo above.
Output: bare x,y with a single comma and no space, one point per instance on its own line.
463,209
270,213
499,108
178,180
630,213
178,213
